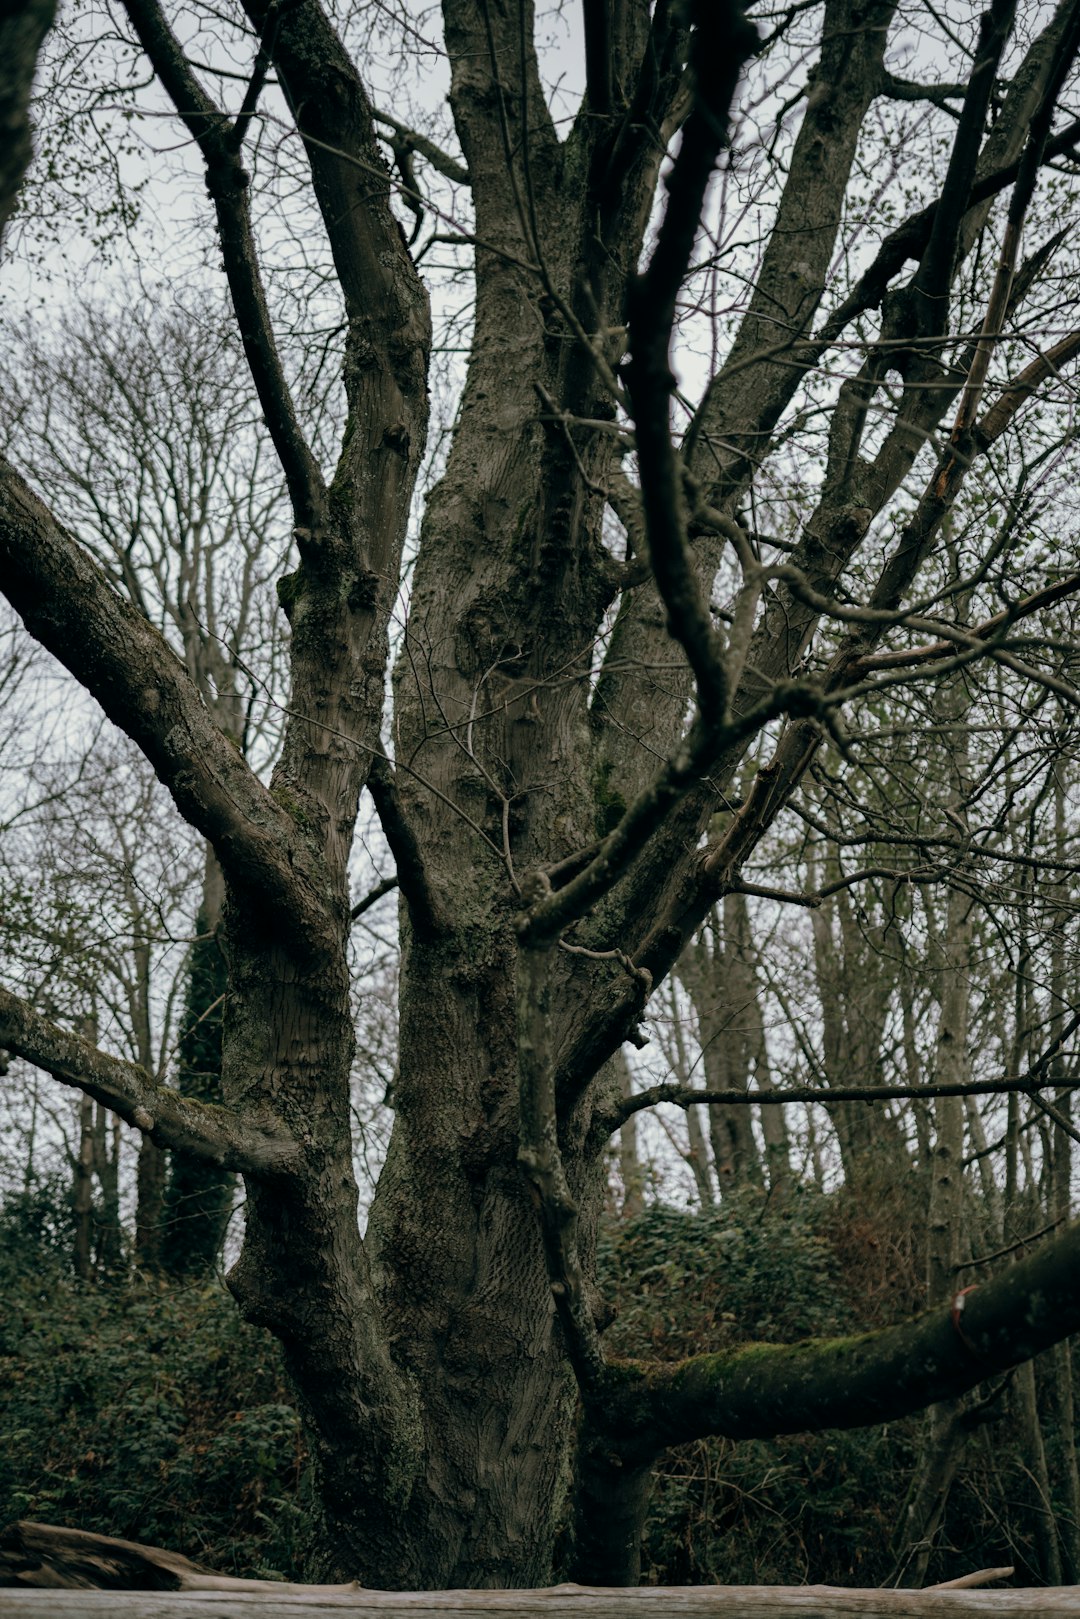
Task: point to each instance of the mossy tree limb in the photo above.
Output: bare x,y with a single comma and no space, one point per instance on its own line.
766,1389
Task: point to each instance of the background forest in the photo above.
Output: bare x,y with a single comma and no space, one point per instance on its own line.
894,960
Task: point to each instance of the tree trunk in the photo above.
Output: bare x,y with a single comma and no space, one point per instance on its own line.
198,1196
150,1177
109,1234
462,1275
697,1155
718,972
82,1193
1036,1477
946,1429
1060,1381
855,984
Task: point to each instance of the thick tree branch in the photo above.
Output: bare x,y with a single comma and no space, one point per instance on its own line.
426,911
68,605
909,90
721,44
768,1389
385,303
733,426
227,183
36,1555
932,279
213,1133
1034,1076
596,20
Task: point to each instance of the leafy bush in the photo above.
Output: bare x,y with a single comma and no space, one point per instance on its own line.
150,1410
145,1410
807,1507
747,1271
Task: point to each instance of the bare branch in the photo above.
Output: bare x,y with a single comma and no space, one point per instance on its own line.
686,1096
769,1389
726,39
426,911
425,148
979,632
931,281
227,183
68,605
216,1134
1001,413
909,90
386,886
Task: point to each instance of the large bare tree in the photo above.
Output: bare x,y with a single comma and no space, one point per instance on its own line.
560,826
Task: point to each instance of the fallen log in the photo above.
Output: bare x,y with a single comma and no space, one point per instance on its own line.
71,1574
44,1555
559,1602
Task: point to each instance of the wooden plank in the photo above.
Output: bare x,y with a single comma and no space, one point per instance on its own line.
559,1602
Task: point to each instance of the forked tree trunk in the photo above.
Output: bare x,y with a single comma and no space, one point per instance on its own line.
433,1374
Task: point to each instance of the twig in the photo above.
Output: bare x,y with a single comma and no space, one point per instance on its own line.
387,885
967,1582
686,1096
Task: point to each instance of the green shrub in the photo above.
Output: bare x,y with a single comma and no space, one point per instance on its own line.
145,1410
807,1507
